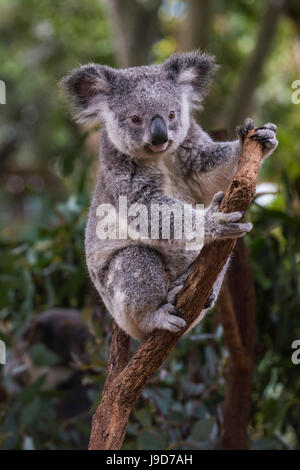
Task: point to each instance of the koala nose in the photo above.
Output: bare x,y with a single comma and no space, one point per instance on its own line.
158,131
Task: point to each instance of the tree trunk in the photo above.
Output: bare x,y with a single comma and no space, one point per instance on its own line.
237,309
197,26
241,102
136,27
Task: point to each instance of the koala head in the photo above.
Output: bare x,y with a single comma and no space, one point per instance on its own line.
145,110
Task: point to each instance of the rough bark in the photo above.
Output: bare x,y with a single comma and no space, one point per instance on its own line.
118,354
111,417
237,312
231,328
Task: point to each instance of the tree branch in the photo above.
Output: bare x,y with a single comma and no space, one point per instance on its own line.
111,417
231,328
118,354
240,289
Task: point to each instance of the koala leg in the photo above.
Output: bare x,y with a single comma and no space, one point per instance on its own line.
210,302
135,292
176,286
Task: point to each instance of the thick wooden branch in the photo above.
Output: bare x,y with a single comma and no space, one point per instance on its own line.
111,417
240,289
231,329
118,354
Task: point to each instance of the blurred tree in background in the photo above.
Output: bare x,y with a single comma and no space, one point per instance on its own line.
47,164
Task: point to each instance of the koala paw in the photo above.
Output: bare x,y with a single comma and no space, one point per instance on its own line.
168,318
218,225
210,301
242,131
266,136
172,294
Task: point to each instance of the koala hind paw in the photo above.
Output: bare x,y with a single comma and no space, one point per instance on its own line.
210,299
172,294
168,318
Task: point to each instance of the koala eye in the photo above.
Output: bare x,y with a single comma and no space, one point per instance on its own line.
172,115
136,119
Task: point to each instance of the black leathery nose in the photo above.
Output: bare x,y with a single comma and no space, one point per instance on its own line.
158,131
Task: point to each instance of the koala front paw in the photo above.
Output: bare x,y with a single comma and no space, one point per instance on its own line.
242,131
266,136
218,225
168,318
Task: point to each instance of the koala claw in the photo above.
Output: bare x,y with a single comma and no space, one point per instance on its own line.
231,217
210,299
269,125
216,201
242,131
234,230
167,318
219,225
172,294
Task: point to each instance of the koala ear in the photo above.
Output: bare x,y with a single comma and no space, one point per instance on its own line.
193,71
88,88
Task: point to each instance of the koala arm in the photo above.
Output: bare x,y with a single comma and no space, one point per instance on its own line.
142,187
210,155
199,153
217,225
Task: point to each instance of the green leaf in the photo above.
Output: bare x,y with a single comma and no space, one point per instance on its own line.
42,356
30,392
144,417
30,413
203,429
265,443
163,399
152,440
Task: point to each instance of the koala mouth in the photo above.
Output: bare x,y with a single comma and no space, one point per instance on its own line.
158,148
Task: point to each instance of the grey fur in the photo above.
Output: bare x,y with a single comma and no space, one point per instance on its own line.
139,279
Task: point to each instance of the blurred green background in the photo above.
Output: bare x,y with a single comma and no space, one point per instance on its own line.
47,165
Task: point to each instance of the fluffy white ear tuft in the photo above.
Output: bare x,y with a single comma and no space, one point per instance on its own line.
187,77
194,71
88,87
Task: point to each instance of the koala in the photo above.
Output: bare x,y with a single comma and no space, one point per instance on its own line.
152,151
